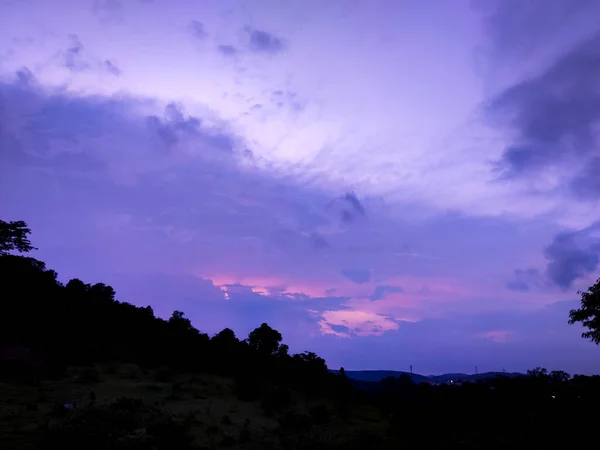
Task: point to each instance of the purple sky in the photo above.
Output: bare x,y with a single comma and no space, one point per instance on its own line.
388,183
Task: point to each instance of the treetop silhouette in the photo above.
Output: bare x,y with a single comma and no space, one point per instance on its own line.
14,236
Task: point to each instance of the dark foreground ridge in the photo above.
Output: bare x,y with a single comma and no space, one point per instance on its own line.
81,370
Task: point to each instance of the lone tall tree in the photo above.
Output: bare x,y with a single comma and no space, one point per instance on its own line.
589,313
265,340
13,236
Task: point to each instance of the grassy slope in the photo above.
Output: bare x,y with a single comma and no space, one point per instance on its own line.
218,415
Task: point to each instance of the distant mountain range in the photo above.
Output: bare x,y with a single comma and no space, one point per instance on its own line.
374,376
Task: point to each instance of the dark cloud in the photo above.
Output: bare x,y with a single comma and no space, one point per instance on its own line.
227,50
76,59
176,126
262,41
358,276
383,291
197,29
73,58
348,207
516,28
112,68
554,119
340,329
554,116
525,279
517,285
94,137
108,10
74,120
351,198
25,77
586,185
571,257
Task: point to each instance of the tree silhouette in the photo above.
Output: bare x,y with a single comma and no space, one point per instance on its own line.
538,372
225,339
265,340
589,313
13,236
559,376
181,323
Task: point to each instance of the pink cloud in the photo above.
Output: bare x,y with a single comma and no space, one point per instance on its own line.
359,323
498,336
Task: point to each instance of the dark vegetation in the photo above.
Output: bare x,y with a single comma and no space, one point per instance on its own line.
79,369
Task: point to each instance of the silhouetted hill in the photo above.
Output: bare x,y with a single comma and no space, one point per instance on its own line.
378,375
444,378
374,376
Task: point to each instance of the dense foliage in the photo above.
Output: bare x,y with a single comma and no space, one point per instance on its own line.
80,323
588,314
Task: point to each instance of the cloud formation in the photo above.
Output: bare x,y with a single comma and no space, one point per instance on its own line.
108,11
340,202
190,182
112,67
518,29
265,42
553,117
572,256
383,291
358,276
550,120
73,59
527,279
227,50
198,30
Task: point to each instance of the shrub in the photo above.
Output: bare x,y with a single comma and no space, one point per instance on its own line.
89,375
276,400
163,375
112,368
153,387
124,424
226,420
295,423
247,389
320,414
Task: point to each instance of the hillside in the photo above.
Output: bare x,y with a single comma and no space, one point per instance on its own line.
444,378
379,375
126,406
80,369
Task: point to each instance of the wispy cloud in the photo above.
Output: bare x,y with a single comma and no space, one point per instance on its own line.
198,30
227,50
497,336
359,276
263,41
108,11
